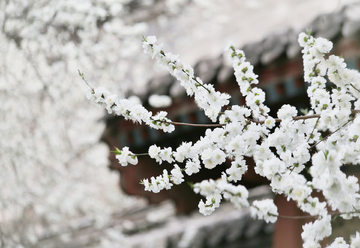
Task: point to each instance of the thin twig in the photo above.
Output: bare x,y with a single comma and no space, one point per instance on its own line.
141,154
295,118
312,216
327,136
252,120
193,78
313,129
81,74
354,88
196,125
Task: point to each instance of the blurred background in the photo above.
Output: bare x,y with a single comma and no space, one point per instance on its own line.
54,171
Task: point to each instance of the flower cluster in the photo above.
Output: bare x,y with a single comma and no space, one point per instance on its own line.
341,243
316,231
130,111
245,76
206,97
125,156
264,209
164,181
214,191
281,147
334,106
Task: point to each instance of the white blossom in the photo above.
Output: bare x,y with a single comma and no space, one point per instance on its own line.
126,157
192,166
355,240
264,209
176,175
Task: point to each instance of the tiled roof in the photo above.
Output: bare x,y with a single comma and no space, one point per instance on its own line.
345,22
226,227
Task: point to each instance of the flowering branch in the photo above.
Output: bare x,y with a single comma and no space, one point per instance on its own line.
314,216
327,136
280,151
81,74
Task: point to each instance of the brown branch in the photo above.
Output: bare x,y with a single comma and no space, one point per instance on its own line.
303,117
196,125
354,87
312,216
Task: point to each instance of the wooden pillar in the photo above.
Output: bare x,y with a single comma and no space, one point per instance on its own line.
287,231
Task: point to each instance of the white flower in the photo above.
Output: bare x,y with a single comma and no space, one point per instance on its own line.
264,209
313,206
183,151
122,106
237,145
255,97
154,186
319,82
262,152
151,39
168,128
205,209
235,194
122,158
154,152
355,240
147,184
303,39
212,157
302,154
176,175
334,63
166,155
132,159
159,183
316,231
139,114
126,157
237,169
159,121
339,243
287,112
164,180
273,166
269,122
237,114
110,100
150,47
300,192
205,187
346,76
323,45
192,166
219,156
98,95
228,46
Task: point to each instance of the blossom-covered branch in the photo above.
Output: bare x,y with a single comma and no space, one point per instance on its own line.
282,147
